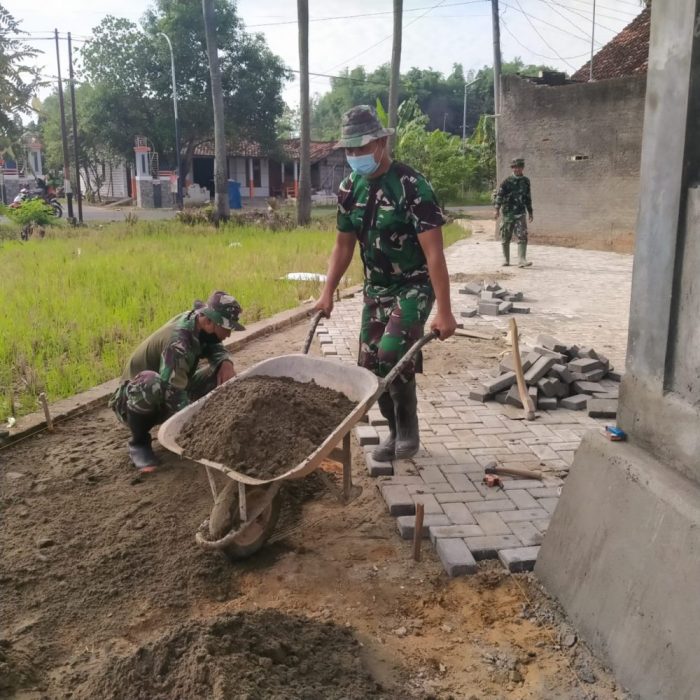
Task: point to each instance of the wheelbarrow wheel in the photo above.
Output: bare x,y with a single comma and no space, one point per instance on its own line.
225,517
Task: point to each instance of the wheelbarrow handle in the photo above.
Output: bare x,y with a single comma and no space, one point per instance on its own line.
312,329
410,354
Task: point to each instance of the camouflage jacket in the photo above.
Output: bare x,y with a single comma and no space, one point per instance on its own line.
387,214
514,196
174,351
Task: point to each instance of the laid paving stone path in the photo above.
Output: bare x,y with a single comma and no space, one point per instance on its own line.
580,296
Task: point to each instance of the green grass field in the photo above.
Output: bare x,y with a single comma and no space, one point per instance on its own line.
76,303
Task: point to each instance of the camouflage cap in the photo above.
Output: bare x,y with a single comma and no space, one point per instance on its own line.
517,163
360,126
224,310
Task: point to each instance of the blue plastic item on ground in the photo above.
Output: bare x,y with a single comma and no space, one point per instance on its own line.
234,194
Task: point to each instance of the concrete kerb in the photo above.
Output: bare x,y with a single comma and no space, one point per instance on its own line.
98,395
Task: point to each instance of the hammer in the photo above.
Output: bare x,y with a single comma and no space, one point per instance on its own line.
493,468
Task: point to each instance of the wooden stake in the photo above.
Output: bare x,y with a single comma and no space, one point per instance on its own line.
528,405
45,405
418,531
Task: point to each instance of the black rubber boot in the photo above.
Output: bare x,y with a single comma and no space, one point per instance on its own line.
385,451
140,450
406,410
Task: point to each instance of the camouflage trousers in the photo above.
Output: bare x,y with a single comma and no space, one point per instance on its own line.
514,225
147,394
389,326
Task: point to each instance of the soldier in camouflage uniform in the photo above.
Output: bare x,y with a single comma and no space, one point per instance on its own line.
164,373
514,202
392,211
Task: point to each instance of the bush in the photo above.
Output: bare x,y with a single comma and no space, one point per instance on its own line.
33,212
272,220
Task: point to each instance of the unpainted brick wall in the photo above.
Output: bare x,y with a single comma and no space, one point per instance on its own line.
591,201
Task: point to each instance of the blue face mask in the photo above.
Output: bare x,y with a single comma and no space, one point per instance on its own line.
363,165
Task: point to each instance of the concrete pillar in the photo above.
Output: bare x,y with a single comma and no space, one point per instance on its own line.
622,553
250,178
143,179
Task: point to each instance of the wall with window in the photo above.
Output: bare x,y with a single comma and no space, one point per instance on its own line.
239,170
582,148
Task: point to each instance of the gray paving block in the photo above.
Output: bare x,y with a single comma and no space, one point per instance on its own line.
459,497
492,524
510,484
500,293
615,375
504,307
501,397
400,480
366,435
471,288
539,369
595,375
550,492
585,364
432,475
513,516
546,352
443,487
507,363
406,524
609,394
561,372
520,309
460,482
577,402
458,513
563,390
514,296
480,394
547,404
548,387
522,498
468,314
378,468
583,387
549,504
398,500
500,505
501,383
486,295
438,532
526,532
455,557
519,559
430,504
488,308
586,352
488,546
551,343
513,397
541,525
493,287
602,408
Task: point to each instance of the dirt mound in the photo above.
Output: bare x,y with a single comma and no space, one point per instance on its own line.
263,426
262,654
16,669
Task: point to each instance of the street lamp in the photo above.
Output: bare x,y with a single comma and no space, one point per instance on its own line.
177,121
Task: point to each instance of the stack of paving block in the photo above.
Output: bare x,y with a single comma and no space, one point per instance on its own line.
557,375
493,300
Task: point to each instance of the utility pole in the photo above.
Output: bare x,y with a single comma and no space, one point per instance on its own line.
590,76
464,118
495,18
78,192
177,122
304,193
64,135
395,70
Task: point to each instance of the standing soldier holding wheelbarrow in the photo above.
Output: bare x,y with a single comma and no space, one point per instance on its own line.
164,373
393,212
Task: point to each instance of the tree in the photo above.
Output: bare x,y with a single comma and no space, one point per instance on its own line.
18,81
217,97
395,68
304,193
128,66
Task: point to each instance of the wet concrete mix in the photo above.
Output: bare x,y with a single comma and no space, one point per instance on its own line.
264,426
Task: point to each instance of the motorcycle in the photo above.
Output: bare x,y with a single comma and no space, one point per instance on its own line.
25,194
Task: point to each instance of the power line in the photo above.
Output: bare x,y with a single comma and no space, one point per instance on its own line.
576,12
588,4
381,41
546,43
534,53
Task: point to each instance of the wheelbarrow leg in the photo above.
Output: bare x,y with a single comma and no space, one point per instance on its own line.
350,492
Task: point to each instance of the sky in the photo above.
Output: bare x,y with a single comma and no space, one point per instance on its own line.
346,33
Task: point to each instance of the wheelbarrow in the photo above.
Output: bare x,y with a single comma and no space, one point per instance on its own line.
246,510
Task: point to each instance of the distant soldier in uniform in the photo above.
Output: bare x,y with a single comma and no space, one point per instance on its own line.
164,373
393,212
513,203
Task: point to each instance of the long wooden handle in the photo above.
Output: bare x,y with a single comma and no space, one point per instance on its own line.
418,531
528,405
514,471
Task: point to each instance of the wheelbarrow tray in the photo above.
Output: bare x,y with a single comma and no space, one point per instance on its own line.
358,384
